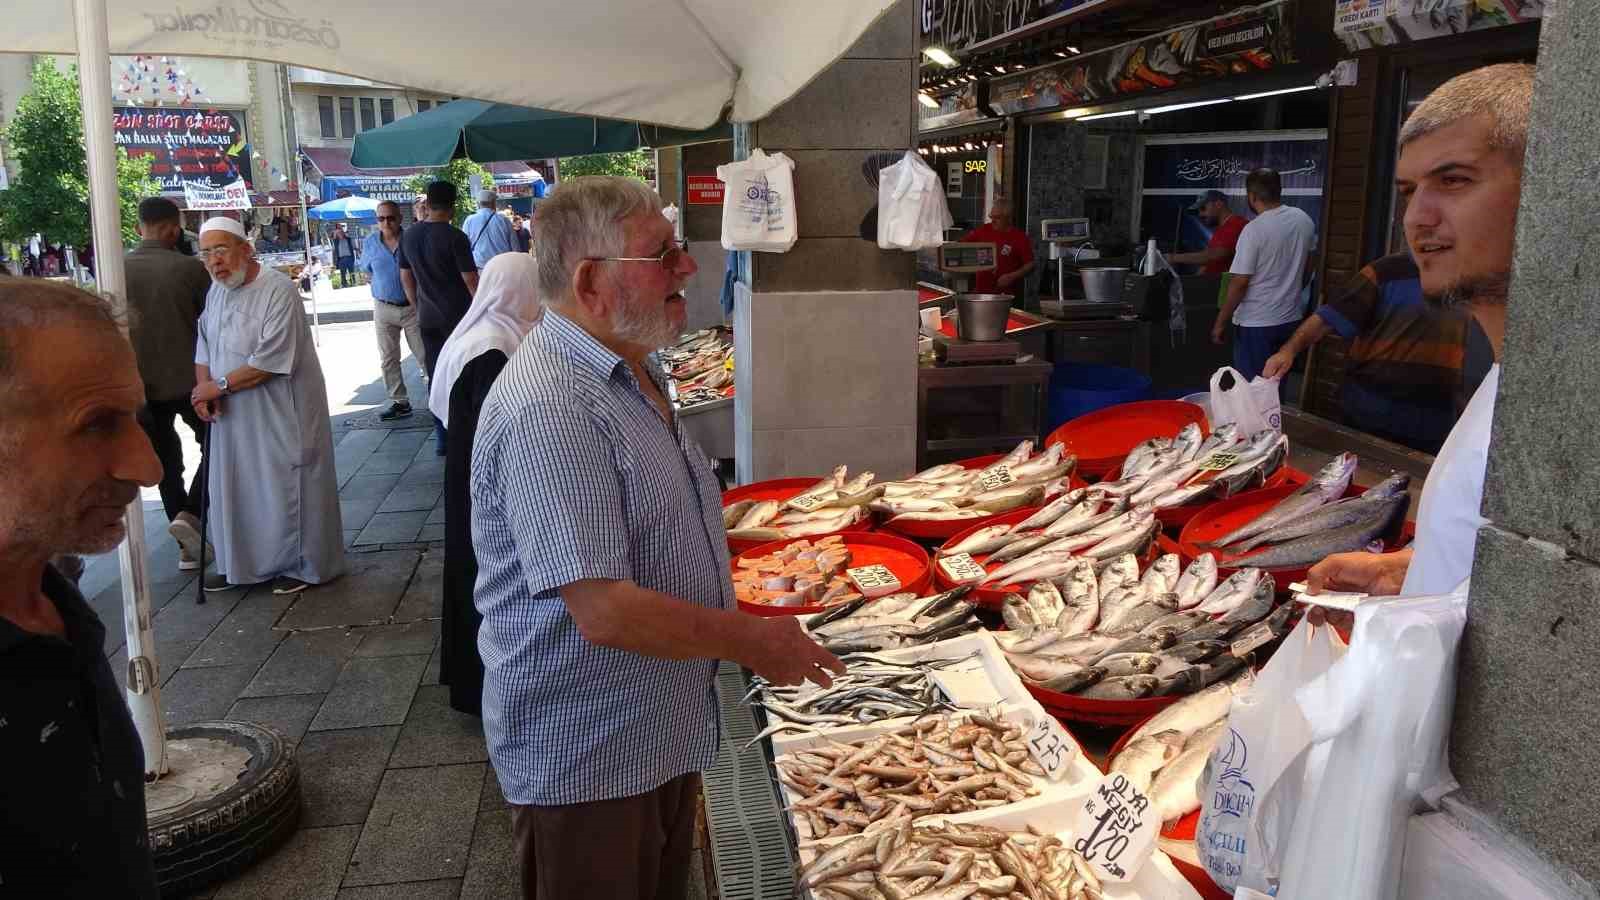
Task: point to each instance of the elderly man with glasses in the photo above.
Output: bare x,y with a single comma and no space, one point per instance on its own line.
392,313
603,573
273,490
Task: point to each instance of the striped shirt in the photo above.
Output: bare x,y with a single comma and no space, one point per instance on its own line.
575,476
1401,345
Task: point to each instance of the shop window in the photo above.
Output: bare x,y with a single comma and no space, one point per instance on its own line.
325,112
424,105
369,115
347,116
386,110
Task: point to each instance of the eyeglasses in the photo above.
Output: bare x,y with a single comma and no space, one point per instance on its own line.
205,254
668,258
388,218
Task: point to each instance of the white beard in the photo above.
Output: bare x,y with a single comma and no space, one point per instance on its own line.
232,282
639,326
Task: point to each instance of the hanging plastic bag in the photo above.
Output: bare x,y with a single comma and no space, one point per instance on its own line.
1253,406
1265,736
758,210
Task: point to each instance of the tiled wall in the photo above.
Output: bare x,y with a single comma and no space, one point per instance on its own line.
1055,183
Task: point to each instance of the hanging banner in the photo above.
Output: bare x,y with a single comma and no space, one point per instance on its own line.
1362,24
378,187
185,146
955,25
1250,41
229,196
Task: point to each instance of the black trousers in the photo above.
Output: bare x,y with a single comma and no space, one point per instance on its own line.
157,419
432,342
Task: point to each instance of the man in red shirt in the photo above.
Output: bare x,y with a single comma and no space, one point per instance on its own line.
1013,252
1214,212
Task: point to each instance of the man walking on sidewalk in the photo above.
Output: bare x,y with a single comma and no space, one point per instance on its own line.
166,293
392,313
439,276
488,231
344,255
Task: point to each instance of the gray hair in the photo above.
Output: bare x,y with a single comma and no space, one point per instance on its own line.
583,218
1502,92
28,305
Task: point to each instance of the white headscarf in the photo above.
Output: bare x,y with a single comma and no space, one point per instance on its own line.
504,310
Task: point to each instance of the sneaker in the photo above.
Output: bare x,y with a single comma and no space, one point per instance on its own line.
187,563
215,582
185,529
396,411
283,584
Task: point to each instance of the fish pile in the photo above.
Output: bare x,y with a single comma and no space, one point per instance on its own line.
1167,472
1313,522
872,688
799,574
1117,635
893,622
950,492
699,366
1165,756
934,765
831,504
1082,524
949,861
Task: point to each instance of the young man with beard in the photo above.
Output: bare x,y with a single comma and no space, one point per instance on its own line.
72,812
1460,176
603,566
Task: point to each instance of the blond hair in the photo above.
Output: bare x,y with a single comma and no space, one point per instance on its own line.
1502,92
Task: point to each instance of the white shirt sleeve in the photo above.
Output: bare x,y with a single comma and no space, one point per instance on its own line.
1244,254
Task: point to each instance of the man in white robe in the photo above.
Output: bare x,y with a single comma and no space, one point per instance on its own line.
272,490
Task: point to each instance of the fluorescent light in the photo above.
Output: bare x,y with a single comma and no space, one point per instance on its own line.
1177,106
940,56
927,101
1073,50
1293,90
1110,115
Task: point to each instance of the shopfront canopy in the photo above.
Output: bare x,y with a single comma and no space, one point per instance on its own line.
680,64
496,132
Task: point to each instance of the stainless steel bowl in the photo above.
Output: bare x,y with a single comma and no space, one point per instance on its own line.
1104,284
982,317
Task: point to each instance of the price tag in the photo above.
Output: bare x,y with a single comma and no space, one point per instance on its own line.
1116,828
806,502
968,688
1253,637
962,568
1052,748
996,477
874,581
1216,462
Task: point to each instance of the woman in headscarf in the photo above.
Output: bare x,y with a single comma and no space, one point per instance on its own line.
504,310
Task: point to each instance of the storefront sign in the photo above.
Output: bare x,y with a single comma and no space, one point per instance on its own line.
1255,41
703,190
1117,828
230,196
185,146
955,25
1353,15
1361,24
378,187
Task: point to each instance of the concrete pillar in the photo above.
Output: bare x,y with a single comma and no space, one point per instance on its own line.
826,333
1526,743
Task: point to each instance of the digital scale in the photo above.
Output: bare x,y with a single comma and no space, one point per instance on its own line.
1068,238
959,259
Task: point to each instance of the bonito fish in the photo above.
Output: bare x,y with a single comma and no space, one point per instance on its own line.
1329,484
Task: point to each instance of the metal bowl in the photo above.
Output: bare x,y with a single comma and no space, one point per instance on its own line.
982,317
1104,284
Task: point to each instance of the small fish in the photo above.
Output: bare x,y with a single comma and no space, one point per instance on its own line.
984,540
1135,540
1162,576
1019,547
733,512
939,472
1052,511
1080,599
1045,567
1049,459
1256,606
1046,600
759,515
1091,513
1129,619
938,515
1232,592
1197,581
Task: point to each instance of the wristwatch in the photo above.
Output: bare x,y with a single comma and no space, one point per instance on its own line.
222,384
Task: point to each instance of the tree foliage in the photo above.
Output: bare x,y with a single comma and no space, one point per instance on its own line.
51,194
629,164
458,172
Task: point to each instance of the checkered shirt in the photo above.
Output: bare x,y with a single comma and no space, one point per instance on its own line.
575,476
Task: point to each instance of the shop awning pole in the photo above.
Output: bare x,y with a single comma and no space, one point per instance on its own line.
94,82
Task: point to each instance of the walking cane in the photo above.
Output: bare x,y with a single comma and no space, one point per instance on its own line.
205,478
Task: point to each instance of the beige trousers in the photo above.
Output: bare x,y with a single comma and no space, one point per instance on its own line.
389,321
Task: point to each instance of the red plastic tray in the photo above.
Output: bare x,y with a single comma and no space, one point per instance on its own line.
941,531
1224,516
777,489
907,560
1014,322
1103,438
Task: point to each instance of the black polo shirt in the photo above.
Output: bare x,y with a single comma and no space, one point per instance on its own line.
72,814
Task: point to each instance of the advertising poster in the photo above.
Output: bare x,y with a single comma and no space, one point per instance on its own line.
206,148
1178,169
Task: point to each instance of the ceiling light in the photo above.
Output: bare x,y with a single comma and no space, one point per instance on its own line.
1177,106
1109,115
1061,53
1073,50
939,55
1018,68
1293,90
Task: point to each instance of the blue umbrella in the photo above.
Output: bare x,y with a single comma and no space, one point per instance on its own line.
346,209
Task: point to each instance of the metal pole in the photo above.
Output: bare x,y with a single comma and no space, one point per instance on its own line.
285,97
94,83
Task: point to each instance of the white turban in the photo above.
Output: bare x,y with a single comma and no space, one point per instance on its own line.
223,223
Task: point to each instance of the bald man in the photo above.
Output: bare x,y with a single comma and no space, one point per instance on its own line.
1013,253
273,490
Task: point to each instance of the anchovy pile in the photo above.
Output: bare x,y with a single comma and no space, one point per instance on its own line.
1165,472
931,766
1308,525
1165,756
951,492
1117,635
698,367
873,688
893,622
950,861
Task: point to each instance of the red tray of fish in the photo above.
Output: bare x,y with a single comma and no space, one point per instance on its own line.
940,531
1182,828
1179,516
1103,438
992,597
1224,516
907,560
779,489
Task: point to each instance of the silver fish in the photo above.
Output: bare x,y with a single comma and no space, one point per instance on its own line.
1050,458
1018,614
1138,616
1043,667
1232,592
1046,600
1091,513
985,539
1311,549
1197,581
1123,572
1135,540
1196,711
1256,606
939,472
1139,457
760,514
1080,599
1140,760
1071,681
733,512
1007,499
1118,664
1174,792
1125,687
1047,567
1162,576
1018,454
1332,516
1052,511
1019,547
857,484
1329,485
1189,440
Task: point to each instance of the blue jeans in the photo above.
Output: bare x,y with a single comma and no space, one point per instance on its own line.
1252,346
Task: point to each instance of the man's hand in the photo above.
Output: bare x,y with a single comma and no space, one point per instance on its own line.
1278,364
205,392
784,654
1006,280
1219,332
1381,574
208,410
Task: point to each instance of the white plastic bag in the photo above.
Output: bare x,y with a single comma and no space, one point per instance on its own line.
912,212
1266,735
758,203
1253,406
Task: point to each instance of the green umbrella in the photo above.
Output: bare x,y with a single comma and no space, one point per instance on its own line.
496,132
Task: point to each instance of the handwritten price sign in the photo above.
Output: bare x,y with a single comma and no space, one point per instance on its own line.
996,477
1117,828
962,568
1051,747
874,581
806,502
1216,462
